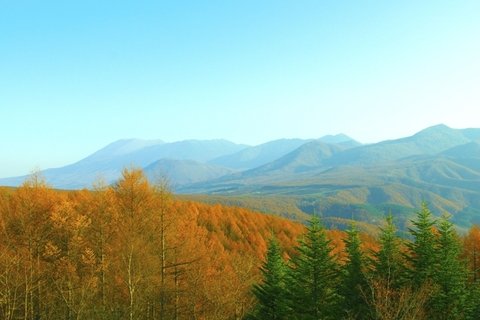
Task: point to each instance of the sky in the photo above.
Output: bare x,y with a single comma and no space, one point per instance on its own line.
78,75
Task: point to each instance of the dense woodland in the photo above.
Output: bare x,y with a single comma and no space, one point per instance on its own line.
129,251
133,251
430,276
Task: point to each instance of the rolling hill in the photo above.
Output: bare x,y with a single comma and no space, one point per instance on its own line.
439,165
183,172
333,175
306,157
256,156
430,141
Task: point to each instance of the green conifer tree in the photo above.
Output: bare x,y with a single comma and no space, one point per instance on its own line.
450,277
422,255
392,295
388,263
313,277
270,293
354,286
473,301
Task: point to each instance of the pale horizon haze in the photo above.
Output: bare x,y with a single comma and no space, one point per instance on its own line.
76,76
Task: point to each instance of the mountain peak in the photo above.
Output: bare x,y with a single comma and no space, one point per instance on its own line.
441,134
122,147
336,138
439,128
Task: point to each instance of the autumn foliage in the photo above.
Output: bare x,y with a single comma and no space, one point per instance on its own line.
134,251
128,251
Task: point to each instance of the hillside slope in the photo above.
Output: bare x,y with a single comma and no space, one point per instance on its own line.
439,165
107,163
184,172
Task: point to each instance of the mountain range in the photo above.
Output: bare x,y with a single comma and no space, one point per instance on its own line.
333,175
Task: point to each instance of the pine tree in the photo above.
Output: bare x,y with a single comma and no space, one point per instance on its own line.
422,257
270,294
450,277
388,264
391,296
473,301
354,282
313,277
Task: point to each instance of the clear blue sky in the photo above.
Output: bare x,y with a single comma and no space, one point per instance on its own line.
77,75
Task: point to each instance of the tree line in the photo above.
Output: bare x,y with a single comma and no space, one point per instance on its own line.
429,276
133,251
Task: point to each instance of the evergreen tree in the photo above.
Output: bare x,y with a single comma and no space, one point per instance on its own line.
450,277
473,301
313,277
422,257
388,263
270,294
354,283
391,296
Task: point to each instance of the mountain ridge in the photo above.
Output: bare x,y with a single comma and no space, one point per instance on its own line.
437,164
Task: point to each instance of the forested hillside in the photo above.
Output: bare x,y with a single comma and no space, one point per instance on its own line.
428,277
135,251
334,175
128,252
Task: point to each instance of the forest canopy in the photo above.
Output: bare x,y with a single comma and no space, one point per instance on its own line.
134,251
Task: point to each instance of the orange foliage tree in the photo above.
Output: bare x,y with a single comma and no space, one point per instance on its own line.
131,251
471,246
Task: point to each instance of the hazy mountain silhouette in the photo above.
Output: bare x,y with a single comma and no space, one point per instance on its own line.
182,172
438,164
107,163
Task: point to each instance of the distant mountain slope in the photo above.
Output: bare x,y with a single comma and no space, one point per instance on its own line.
365,192
256,156
182,172
427,142
439,164
197,150
308,156
472,133
120,148
334,176
468,150
108,162
340,139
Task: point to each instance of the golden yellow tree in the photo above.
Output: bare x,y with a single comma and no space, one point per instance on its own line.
29,227
134,204
471,245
